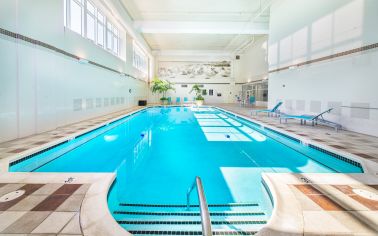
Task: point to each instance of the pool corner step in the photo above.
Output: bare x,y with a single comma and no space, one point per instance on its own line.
175,219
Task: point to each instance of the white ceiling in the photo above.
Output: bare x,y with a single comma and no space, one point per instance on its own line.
217,42
193,10
222,25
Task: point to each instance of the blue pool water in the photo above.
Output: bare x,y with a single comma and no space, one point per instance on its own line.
158,152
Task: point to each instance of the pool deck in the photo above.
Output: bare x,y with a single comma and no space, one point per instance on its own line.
305,204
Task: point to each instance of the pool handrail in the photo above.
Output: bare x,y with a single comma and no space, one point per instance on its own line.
204,209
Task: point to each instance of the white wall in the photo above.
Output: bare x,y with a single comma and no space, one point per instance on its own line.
41,89
225,86
306,30
253,63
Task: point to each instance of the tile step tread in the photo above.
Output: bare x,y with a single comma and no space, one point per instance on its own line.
193,205
189,222
219,232
220,213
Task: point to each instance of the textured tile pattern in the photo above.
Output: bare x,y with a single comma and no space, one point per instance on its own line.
364,146
336,209
44,209
18,146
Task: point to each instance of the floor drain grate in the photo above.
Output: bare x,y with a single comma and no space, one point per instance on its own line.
12,195
366,194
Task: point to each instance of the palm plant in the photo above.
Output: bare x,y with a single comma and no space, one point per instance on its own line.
197,90
161,87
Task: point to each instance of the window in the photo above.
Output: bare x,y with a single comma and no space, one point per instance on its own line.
109,36
115,40
91,21
100,29
75,15
82,17
140,59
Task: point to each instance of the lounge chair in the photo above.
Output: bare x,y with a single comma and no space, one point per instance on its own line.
314,119
251,100
178,100
272,111
169,100
186,100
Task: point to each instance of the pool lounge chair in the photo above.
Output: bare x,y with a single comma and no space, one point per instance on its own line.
252,100
314,119
186,100
178,100
269,112
169,101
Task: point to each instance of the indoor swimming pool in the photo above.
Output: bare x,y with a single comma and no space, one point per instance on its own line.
157,152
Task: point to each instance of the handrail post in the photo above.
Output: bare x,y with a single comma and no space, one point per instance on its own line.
204,210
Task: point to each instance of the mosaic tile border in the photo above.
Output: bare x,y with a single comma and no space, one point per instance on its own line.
58,50
191,232
183,205
337,156
187,213
333,56
352,162
35,154
188,222
12,163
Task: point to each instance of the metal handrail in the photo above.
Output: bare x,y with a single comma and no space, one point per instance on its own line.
204,210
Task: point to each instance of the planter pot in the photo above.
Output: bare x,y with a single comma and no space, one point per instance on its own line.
164,102
199,102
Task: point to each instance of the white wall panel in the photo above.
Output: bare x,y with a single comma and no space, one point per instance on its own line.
39,87
8,90
332,27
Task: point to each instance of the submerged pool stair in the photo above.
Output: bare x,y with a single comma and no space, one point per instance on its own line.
172,219
202,219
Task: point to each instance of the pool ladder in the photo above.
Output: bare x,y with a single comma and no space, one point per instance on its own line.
204,209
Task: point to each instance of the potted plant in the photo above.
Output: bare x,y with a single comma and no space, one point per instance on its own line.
161,87
198,98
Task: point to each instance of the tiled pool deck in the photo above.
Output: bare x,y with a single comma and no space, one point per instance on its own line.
305,204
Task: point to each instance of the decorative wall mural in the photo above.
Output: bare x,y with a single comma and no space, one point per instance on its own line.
194,70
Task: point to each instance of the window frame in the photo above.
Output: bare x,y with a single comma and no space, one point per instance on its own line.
111,42
68,15
102,23
140,59
94,16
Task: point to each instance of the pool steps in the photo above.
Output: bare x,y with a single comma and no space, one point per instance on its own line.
175,219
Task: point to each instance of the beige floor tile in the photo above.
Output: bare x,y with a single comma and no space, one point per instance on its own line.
27,223
320,222
9,217
47,189
73,203
82,190
28,203
14,234
68,235
306,203
54,222
354,221
73,227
